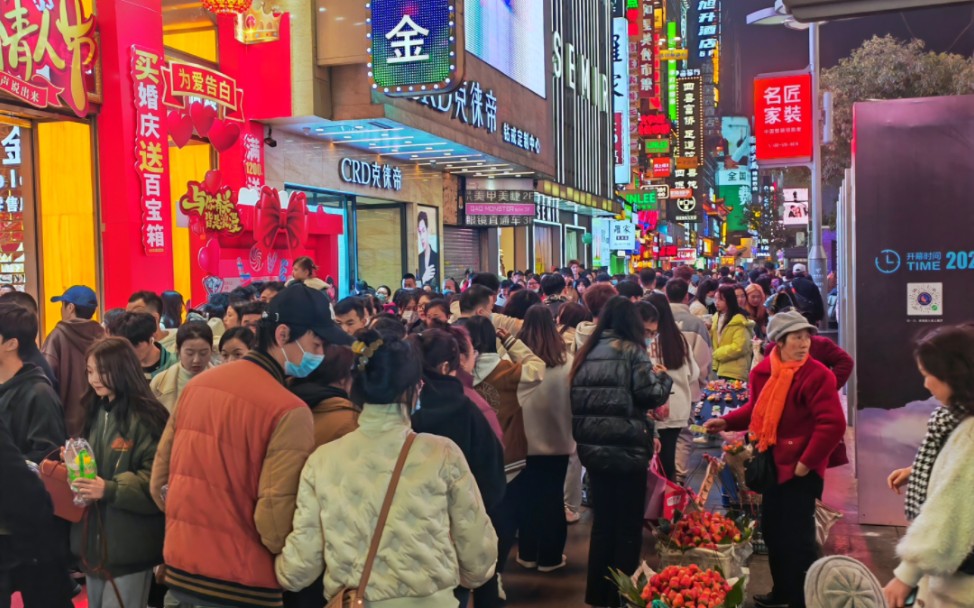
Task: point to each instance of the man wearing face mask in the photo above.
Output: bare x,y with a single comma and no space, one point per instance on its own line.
227,467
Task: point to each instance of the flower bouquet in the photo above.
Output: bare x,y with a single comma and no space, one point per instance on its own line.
679,587
706,539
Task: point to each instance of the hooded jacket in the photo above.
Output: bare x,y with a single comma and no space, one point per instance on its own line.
446,411
583,332
612,390
732,347
32,412
334,415
66,349
121,533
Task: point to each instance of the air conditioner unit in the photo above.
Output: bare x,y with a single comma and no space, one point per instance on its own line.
807,11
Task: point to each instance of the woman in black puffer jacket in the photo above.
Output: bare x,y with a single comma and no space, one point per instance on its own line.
614,385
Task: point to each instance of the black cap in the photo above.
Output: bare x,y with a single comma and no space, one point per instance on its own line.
302,306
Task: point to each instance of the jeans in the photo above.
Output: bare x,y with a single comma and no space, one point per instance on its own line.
573,483
668,439
788,523
41,585
617,531
541,520
309,597
133,591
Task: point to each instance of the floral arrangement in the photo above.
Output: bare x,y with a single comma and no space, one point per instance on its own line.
680,587
702,529
734,447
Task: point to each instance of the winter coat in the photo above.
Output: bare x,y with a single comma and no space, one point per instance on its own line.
548,414
568,334
812,424
231,455
437,537
829,354
166,361
446,411
123,532
66,350
806,288
583,331
32,411
941,538
611,392
685,382
484,407
702,312
28,529
334,415
732,347
36,357
169,385
697,334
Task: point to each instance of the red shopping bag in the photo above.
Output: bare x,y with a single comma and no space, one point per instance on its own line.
677,498
656,484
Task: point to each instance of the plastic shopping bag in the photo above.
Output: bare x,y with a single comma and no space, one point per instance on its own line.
656,483
80,462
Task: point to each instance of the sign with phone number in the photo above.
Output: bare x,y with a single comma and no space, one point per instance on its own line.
890,261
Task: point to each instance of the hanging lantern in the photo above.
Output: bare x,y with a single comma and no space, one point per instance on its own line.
227,7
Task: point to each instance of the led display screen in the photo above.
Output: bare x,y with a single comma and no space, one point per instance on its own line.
506,35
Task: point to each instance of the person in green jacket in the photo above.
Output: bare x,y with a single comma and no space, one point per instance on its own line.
119,540
731,334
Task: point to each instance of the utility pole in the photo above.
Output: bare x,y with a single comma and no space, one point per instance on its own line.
817,262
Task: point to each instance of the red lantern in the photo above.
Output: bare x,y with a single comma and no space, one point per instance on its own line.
227,7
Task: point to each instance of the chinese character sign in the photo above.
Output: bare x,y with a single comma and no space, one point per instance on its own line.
783,117
151,148
620,99
211,205
414,45
47,51
689,116
12,254
190,80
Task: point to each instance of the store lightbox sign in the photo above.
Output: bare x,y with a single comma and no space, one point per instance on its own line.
657,146
783,118
642,200
370,175
416,46
620,100
691,122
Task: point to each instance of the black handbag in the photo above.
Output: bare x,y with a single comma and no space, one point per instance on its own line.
760,472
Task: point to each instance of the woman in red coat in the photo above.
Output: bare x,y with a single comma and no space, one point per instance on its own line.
795,409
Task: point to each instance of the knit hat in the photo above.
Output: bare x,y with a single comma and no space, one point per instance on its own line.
842,582
787,322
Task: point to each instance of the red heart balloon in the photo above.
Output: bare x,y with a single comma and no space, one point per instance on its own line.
203,117
212,181
209,257
180,128
223,135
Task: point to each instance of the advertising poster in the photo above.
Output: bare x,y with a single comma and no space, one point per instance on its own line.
734,187
796,207
428,244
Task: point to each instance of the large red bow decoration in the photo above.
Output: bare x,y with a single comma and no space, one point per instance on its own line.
270,218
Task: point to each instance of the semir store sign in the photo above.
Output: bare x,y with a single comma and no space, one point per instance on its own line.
581,73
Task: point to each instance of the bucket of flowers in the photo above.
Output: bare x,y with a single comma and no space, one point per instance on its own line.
679,587
706,540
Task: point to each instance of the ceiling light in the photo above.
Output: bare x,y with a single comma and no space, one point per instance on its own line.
447,154
415,156
359,127
429,148
348,137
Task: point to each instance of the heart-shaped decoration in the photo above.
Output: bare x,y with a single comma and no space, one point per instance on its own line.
212,285
212,181
223,135
203,117
209,257
180,128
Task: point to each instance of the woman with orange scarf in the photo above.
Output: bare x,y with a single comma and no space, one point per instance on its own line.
795,411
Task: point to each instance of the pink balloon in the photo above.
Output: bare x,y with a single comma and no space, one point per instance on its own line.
209,257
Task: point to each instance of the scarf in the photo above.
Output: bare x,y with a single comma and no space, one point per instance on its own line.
942,423
771,401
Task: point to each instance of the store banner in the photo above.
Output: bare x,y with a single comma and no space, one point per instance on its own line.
416,46
499,202
211,206
52,48
620,100
623,236
783,118
151,149
684,210
601,241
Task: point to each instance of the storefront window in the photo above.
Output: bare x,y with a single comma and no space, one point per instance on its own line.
574,248
380,244
187,164
339,205
547,247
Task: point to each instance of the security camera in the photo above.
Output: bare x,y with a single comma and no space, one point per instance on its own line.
269,141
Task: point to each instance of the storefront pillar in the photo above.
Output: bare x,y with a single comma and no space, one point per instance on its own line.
127,268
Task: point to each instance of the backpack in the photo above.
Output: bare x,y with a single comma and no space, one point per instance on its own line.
802,304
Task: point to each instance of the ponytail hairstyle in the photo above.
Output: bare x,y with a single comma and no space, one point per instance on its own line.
389,368
437,347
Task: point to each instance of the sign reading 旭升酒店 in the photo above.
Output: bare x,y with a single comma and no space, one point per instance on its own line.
415,46
370,175
151,147
47,50
469,104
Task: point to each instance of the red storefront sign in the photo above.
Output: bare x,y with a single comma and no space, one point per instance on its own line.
190,80
654,125
52,37
662,167
668,251
681,192
151,148
783,117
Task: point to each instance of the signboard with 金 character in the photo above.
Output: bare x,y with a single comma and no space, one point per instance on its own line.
416,46
151,148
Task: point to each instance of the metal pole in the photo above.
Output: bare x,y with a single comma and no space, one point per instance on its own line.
817,264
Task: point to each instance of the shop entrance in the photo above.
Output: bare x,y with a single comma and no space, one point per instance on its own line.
381,230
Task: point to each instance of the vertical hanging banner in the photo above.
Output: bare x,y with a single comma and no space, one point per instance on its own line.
620,100
690,120
151,148
416,46
783,118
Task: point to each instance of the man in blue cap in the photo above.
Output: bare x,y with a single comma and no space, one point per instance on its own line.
65,350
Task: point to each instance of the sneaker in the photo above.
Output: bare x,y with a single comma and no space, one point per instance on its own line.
526,564
571,515
501,594
564,562
769,601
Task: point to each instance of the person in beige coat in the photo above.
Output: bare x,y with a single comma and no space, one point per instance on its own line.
194,347
326,393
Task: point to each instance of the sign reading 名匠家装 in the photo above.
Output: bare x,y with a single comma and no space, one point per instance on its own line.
48,52
151,148
416,46
783,118
370,175
690,119
620,100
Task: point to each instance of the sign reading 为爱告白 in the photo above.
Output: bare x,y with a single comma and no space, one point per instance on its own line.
370,175
416,46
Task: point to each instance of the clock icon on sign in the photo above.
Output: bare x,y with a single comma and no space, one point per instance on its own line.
888,261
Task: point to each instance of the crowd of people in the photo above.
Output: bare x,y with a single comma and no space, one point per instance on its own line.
245,449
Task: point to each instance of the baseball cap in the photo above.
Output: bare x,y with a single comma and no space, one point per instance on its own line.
800,268
79,295
302,306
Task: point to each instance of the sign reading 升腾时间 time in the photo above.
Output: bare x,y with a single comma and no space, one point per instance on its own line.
416,46
47,53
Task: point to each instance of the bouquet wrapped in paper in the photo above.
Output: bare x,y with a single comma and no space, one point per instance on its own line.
679,587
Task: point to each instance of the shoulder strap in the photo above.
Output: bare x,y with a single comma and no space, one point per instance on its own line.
384,514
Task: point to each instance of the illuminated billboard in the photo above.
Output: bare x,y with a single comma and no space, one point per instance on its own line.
505,34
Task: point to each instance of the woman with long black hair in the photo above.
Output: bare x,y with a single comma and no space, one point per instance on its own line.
119,540
704,304
731,333
669,350
613,385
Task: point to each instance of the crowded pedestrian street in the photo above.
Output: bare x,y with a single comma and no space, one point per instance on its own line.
486,304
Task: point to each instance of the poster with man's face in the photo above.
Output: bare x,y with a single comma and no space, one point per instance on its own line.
427,241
